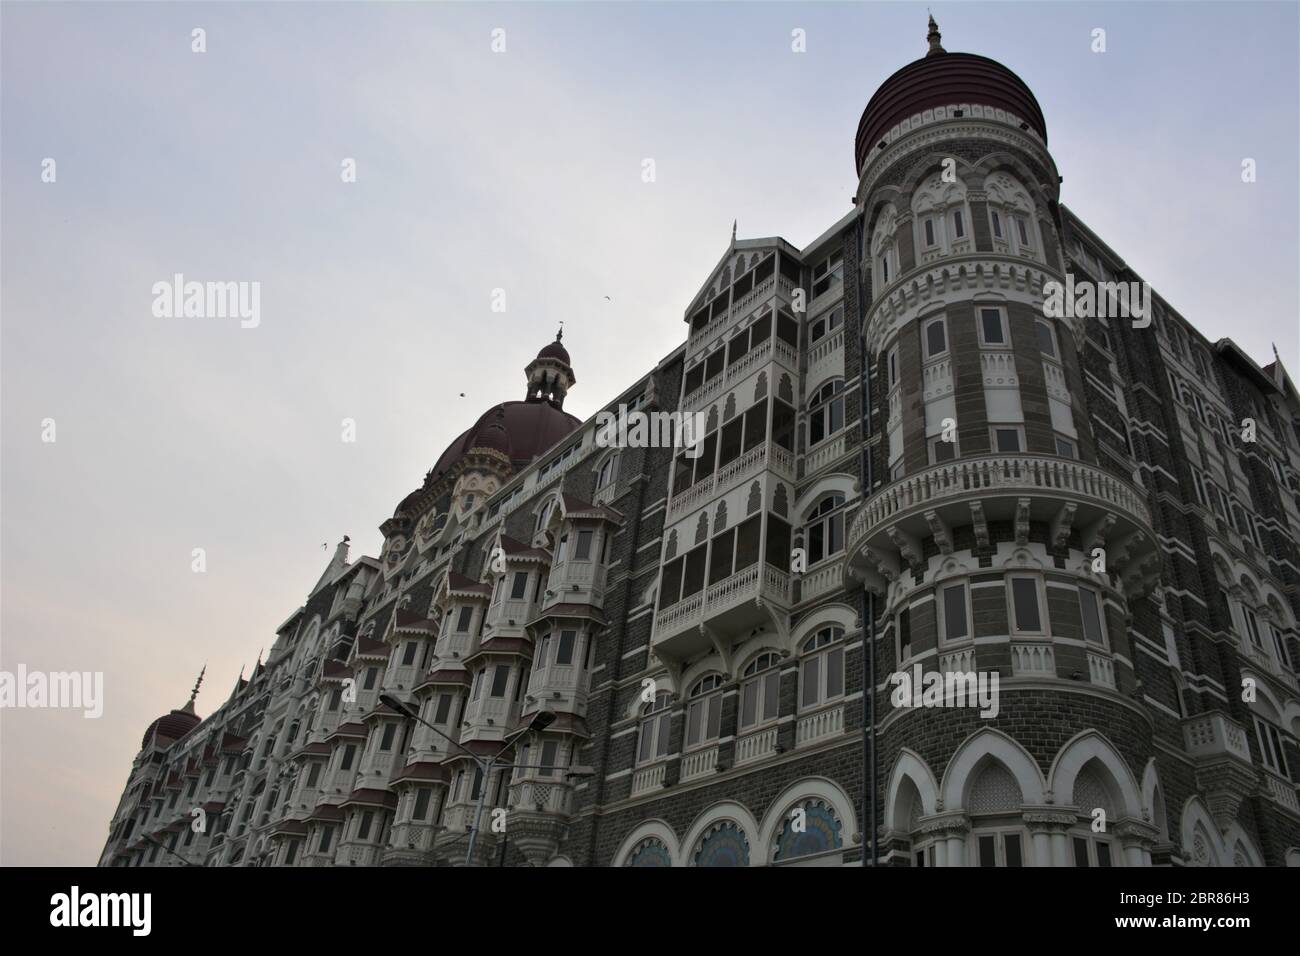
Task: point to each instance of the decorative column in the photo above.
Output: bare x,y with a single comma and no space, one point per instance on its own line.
1048,829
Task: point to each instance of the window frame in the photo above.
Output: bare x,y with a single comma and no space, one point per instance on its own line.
1001,311
765,667
1044,629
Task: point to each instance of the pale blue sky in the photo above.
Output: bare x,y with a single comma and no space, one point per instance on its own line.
476,171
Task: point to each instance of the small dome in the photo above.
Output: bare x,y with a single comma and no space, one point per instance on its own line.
555,351
172,726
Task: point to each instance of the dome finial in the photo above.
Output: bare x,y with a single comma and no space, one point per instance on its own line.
559,336
933,37
189,704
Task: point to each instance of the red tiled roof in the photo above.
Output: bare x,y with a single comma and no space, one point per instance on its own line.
370,797
458,584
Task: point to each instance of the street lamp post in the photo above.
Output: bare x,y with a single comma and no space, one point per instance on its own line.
541,720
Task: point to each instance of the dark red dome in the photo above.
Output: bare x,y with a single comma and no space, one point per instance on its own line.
172,726
939,80
556,351
529,429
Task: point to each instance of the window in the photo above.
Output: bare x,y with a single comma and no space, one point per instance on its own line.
313,774
893,367
1252,626
936,338
371,674
1025,607
1023,232
941,450
500,680
929,231
997,224
760,692
1270,747
704,712
884,269
519,586
999,848
349,752
1090,610
1091,850
409,652
827,273
1046,340
547,767
1279,645
444,709
903,634
1006,440
826,412
992,327
386,741
655,722
466,616
583,552
824,535
958,224
607,473
826,325
564,648
954,612
326,835
1065,447
821,673
363,829
422,797
478,684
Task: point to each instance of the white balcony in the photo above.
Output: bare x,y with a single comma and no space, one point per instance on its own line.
1215,735
649,778
1070,496
540,795
756,746
730,605
1032,659
699,763
559,686
828,722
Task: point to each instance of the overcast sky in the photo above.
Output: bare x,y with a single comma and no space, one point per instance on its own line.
475,171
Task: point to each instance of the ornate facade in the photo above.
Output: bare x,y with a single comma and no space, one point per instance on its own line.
1102,512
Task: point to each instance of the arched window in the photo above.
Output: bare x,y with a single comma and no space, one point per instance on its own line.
821,672
809,828
826,412
655,721
1012,223
650,852
607,472
824,534
760,691
704,711
723,844
884,252
942,221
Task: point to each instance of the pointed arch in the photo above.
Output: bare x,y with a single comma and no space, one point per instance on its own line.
910,767
813,788
1091,747
990,744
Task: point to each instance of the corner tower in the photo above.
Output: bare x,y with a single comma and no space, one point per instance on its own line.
991,539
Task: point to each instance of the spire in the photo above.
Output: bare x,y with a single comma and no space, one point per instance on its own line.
933,37
733,233
336,565
559,336
189,706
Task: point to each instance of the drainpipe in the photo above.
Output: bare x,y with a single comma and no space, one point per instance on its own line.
866,601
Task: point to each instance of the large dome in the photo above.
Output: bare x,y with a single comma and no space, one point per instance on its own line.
938,79
530,429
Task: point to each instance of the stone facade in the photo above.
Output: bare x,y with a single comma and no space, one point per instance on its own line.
1101,514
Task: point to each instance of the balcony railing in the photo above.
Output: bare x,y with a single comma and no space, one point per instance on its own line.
700,763
1281,790
756,746
817,726
649,778
1001,473
1215,735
